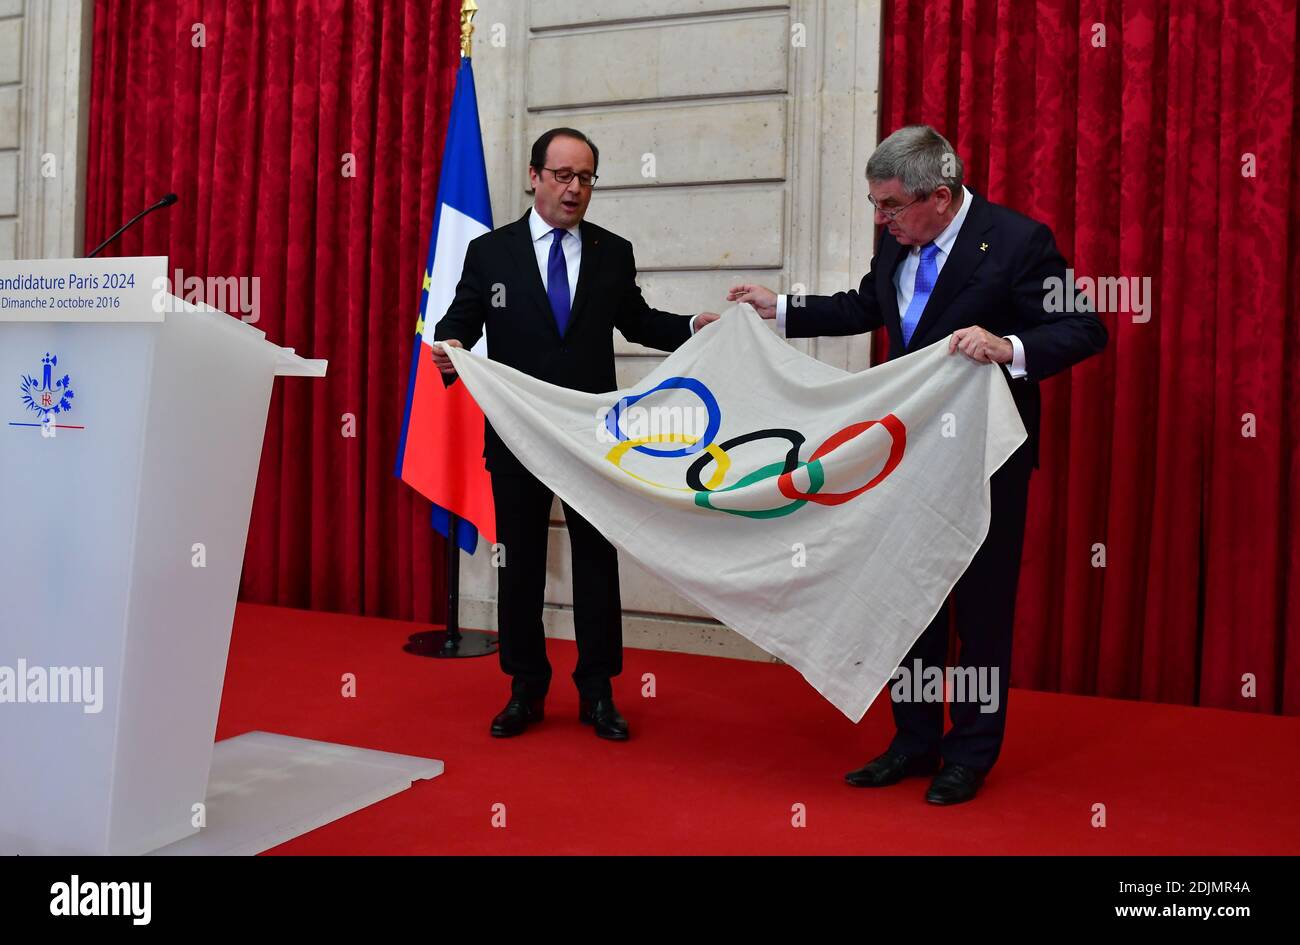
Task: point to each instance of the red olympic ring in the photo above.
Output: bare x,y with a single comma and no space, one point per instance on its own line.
898,434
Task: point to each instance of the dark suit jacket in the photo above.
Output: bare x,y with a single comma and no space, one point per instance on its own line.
993,278
501,267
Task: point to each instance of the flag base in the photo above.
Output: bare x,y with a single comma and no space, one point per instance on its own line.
443,645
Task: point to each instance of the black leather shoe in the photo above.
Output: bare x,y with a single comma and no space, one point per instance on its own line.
892,767
516,716
602,714
954,784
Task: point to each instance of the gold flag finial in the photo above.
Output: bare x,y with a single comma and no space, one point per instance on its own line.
467,10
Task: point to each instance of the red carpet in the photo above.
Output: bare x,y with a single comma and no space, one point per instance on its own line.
726,748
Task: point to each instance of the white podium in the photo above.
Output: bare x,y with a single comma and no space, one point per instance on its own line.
129,446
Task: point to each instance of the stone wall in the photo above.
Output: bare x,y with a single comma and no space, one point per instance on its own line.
733,138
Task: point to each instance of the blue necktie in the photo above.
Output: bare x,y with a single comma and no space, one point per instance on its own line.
557,281
927,273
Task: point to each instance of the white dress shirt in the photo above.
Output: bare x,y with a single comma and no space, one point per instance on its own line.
572,246
905,280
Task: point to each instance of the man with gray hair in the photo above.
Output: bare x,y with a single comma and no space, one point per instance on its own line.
951,264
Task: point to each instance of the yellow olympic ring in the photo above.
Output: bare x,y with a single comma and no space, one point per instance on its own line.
721,460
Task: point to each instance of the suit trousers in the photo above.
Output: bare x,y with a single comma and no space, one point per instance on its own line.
523,512
983,609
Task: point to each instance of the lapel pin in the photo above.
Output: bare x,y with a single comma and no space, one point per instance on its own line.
984,247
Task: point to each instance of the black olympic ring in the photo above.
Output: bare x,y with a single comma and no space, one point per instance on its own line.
791,458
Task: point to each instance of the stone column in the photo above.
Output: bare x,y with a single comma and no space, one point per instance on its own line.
44,108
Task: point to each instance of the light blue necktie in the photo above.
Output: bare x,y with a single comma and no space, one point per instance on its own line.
927,273
557,281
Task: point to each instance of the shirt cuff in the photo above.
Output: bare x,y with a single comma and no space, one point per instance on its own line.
693,320
1017,366
780,314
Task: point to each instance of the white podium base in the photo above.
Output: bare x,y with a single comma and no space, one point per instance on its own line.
265,789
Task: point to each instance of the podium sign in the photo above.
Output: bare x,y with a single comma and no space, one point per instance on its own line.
79,290
129,445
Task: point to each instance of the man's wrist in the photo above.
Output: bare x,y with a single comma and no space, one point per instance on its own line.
1016,366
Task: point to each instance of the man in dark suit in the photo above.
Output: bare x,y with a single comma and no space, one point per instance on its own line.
951,264
549,289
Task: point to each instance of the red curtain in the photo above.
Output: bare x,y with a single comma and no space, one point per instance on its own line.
1156,138
304,139
1166,152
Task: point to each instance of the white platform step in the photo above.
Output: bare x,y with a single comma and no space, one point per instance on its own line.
265,789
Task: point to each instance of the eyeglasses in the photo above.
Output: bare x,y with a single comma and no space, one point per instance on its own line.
892,213
566,176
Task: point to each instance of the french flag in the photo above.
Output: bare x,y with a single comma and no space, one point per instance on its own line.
440,453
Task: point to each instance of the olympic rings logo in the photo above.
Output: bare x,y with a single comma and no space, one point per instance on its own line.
715,455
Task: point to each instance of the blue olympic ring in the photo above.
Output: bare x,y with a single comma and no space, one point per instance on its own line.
684,383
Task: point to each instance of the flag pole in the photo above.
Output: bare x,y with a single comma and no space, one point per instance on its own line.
451,643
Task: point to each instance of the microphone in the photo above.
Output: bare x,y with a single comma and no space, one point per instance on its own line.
166,201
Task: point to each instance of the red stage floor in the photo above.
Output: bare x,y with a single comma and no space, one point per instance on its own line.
721,755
